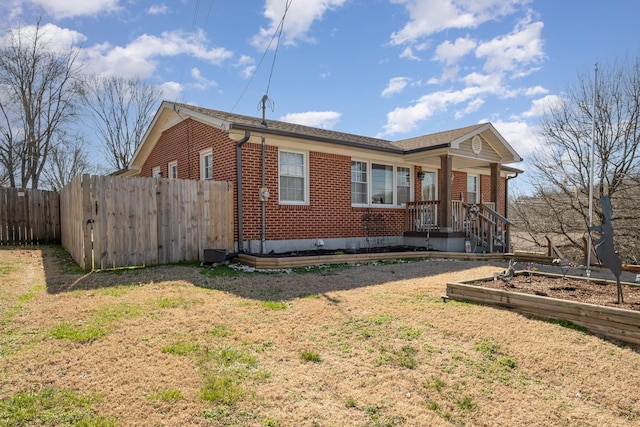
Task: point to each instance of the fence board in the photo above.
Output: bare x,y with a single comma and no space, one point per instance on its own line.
144,221
29,217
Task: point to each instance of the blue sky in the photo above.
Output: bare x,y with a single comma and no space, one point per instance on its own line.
392,69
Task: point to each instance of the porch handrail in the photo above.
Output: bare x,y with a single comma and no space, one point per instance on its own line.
496,215
486,227
422,215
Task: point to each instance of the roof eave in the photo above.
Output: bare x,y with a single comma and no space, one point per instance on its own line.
269,131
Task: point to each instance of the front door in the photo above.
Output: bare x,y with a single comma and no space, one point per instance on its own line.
429,212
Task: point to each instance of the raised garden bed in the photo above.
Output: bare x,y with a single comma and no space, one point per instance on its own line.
283,262
551,296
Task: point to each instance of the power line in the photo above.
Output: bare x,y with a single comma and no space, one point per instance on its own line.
277,33
194,24
275,53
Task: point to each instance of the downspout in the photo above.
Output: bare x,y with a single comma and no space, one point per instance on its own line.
506,208
239,145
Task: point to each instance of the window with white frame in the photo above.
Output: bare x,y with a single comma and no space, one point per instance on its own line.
403,183
429,185
156,172
359,183
206,165
292,177
473,190
173,169
379,184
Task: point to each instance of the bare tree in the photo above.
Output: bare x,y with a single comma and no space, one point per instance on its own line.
122,109
67,160
37,100
561,172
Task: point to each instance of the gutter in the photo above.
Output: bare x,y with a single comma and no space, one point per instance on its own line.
317,138
506,206
239,145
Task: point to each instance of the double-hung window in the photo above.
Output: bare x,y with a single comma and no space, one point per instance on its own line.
403,183
473,193
206,165
359,186
374,184
173,169
156,172
292,178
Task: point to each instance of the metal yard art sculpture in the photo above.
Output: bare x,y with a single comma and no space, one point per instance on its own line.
603,245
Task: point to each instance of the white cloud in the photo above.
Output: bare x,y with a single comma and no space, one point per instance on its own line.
70,8
541,105
450,53
407,53
171,90
402,120
395,85
55,38
320,119
247,66
298,21
522,136
202,82
471,107
515,51
432,16
536,90
139,58
158,9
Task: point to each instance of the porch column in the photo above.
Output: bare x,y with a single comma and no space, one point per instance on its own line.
444,190
495,186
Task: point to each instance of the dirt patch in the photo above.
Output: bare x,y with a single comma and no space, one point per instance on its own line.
569,288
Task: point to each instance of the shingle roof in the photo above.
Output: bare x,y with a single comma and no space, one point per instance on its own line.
424,142
434,139
241,122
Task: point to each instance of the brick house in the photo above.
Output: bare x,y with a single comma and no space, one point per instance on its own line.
301,188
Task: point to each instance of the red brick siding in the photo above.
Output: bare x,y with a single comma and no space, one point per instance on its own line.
329,213
459,186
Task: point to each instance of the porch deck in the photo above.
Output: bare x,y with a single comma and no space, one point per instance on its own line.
478,228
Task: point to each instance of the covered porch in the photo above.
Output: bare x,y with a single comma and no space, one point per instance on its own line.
471,228
461,201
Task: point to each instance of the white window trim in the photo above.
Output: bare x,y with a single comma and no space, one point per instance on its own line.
435,174
171,165
203,154
368,195
305,165
477,187
395,174
395,167
156,172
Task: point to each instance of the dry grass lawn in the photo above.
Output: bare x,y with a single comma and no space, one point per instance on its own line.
370,345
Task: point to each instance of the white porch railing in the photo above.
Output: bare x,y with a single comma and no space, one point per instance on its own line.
482,224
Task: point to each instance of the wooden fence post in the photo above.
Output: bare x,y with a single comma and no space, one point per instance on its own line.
87,223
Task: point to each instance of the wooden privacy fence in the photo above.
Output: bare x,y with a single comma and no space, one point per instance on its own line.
29,217
110,222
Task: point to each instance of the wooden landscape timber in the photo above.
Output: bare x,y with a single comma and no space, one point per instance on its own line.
271,263
615,323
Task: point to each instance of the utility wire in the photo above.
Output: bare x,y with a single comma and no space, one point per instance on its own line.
194,24
277,33
275,53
